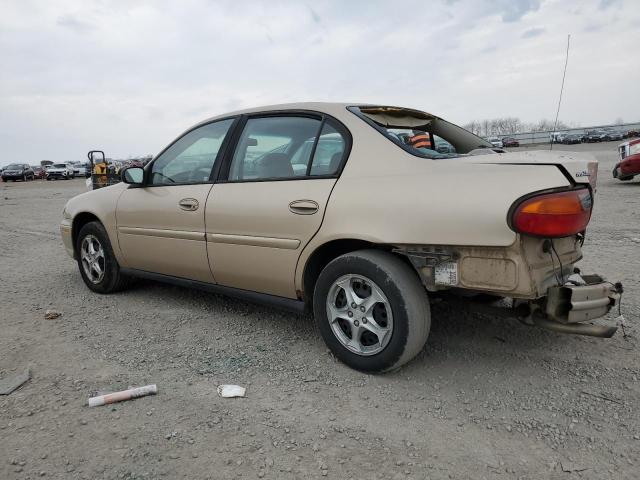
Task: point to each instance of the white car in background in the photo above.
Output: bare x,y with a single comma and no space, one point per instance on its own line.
495,141
78,168
60,170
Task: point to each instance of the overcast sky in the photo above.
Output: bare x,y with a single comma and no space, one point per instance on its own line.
129,76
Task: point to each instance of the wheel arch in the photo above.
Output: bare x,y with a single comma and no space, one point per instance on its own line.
328,251
79,221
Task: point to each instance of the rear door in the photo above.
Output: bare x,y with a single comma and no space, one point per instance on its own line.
161,226
271,199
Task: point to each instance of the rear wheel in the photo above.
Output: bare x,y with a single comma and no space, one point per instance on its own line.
372,311
96,261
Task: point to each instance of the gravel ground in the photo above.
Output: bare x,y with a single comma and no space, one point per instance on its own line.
487,398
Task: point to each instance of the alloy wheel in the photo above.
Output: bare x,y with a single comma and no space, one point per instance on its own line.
359,314
92,257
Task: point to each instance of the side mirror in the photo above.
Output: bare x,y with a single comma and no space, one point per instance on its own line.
133,175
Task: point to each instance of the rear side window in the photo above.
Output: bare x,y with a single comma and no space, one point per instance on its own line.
286,147
329,151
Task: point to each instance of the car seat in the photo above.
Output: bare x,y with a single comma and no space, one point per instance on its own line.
275,165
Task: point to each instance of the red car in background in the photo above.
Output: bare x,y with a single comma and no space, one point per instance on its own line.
510,142
38,172
629,164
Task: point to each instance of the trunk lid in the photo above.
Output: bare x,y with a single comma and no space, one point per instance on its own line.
579,167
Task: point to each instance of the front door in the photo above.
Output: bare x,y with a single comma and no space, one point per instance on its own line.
161,226
271,202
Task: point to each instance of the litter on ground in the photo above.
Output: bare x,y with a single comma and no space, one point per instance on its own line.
230,391
9,384
123,395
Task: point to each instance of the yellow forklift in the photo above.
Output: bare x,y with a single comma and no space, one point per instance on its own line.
101,171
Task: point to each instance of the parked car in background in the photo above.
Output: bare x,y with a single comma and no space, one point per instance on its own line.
79,168
361,236
442,146
60,170
510,142
594,136
629,164
38,171
572,138
556,137
632,133
495,141
18,171
612,135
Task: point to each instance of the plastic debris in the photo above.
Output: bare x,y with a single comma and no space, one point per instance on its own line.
230,391
9,384
123,395
51,315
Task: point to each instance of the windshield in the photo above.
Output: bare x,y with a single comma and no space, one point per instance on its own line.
421,133
59,165
14,166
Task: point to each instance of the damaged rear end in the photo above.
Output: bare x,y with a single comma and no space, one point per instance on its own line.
512,225
538,270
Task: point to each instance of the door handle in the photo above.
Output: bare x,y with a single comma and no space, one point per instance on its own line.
303,207
189,204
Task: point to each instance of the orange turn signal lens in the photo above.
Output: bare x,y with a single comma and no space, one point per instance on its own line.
553,215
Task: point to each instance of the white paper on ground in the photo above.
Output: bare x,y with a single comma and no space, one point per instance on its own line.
230,391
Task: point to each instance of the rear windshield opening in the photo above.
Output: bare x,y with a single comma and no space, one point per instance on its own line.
421,133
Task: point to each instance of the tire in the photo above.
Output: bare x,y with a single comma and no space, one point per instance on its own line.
24,177
111,280
407,324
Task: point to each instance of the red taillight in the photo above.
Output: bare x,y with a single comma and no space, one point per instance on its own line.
551,215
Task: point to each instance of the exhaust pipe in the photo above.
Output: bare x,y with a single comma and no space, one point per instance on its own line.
602,331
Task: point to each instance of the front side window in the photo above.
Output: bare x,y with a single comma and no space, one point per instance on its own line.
420,133
191,158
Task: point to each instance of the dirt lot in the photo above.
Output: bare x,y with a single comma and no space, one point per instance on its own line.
487,398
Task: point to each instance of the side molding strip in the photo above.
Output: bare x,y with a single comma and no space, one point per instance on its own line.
290,304
155,232
285,243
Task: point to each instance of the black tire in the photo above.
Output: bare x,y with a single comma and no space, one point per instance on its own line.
407,298
24,177
113,280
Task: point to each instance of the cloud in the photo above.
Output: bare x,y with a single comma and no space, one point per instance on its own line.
604,4
129,76
72,23
514,10
533,32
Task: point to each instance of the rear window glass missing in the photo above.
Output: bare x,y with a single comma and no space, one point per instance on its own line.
421,133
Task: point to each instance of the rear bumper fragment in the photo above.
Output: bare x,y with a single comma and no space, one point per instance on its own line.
588,298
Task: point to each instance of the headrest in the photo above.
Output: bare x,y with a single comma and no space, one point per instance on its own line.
275,165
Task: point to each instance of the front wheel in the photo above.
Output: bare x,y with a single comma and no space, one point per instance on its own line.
96,261
371,310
